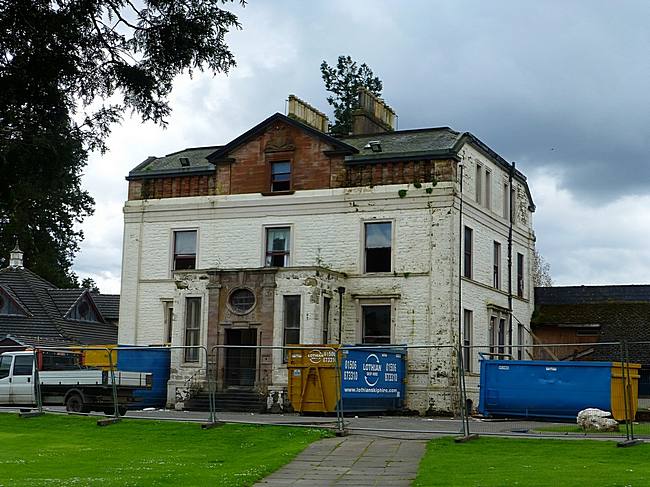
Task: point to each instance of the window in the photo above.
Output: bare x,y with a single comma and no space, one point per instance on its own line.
488,189
168,317
467,339
280,176
83,311
479,180
5,366
192,328
506,201
501,338
467,253
185,250
520,342
378,246
277,247
376,324
496,272
520,275
23,365
242,301
291,322
327,303
8,306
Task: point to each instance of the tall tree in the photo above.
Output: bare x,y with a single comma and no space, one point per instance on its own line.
68,70
90,284
541,271
343,81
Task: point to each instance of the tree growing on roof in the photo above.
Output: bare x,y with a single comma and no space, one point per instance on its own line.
343,81
68,70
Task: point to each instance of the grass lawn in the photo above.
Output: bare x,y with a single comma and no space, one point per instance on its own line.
641,429
492,462
60,450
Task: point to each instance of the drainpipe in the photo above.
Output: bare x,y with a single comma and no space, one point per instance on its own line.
510,218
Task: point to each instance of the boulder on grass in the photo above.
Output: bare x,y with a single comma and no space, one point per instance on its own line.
593,419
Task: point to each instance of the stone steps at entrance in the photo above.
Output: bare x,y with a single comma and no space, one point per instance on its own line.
232,401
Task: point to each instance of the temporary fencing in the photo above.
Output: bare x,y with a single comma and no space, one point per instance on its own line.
380,395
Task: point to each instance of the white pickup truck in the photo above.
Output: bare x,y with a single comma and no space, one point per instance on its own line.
77,388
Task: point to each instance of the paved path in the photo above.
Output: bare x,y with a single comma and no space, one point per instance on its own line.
360,461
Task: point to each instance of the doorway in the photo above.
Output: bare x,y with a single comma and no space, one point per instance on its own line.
241,363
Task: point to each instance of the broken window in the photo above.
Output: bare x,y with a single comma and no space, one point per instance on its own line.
467,253
291,322
192,328
496,272
376,324
280,176
185,250
378,247
277,247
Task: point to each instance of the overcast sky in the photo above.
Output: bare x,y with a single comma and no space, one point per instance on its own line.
560,87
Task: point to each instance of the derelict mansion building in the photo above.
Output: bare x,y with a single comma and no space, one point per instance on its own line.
289,235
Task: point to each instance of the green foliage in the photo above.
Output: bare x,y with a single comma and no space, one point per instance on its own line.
343,81
428,190
75,451
90,284
532,462
402,193
68,70
417,184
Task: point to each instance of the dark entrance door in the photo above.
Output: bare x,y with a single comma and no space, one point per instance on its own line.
241,362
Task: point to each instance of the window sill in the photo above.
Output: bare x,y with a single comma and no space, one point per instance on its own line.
277,193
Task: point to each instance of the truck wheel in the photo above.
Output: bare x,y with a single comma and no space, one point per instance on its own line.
75,404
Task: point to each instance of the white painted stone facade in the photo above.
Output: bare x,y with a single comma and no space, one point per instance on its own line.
327,233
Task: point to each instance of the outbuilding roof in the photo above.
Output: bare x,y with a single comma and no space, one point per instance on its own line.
45,322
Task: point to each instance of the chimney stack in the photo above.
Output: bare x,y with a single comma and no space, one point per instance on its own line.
372,115
16,257
304,112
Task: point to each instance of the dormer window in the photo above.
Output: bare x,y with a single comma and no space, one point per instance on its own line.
8,306
280,176
83,310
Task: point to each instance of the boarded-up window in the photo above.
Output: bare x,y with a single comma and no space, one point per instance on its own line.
378,247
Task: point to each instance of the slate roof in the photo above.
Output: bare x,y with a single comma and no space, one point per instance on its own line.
171,163
425,143
108,305
405,143
46,306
